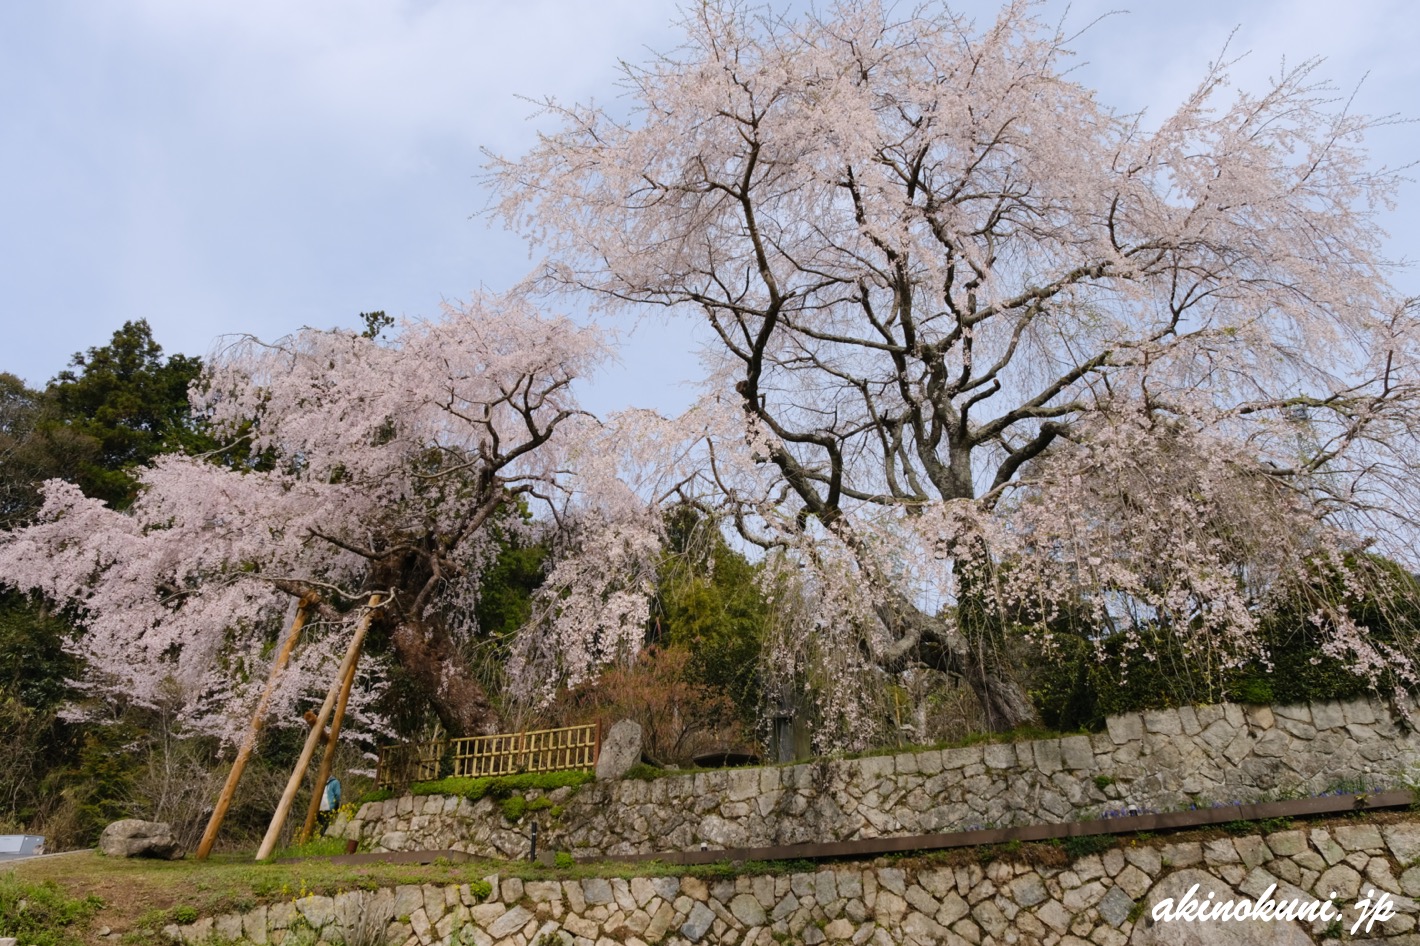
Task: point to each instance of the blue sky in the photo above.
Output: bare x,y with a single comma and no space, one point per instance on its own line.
222,167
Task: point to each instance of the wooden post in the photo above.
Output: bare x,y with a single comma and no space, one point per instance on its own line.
328,759
258,719
278,820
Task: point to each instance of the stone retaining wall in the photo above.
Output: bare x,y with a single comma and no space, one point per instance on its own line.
1097,900
1159,760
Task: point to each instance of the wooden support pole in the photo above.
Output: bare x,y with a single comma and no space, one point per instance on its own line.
258,719
328,759
278,820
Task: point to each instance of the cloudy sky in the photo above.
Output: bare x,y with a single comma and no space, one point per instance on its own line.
219,167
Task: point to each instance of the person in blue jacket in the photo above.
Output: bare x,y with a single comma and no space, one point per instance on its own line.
329,803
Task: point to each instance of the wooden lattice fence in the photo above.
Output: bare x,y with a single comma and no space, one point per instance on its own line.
546,750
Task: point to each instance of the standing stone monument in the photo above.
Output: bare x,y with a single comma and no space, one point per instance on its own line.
621,749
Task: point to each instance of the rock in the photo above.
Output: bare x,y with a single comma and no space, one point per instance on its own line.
133,838
621,749
697,923
747,910
1115,907
509,923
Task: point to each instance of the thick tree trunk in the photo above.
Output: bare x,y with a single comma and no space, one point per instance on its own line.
429,656
943,646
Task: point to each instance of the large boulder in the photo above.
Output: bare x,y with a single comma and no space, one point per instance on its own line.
621,749
133,838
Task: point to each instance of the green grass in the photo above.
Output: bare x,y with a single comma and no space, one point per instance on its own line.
315,847
502,786
42,913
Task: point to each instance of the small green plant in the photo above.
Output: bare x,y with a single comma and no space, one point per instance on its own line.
563,861
1104,781
642,772
479,888
514,807
315,847
184,914
378,794
1085,844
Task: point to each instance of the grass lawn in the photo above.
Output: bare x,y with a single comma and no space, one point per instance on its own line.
139,897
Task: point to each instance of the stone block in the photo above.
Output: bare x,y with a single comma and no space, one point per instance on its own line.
698,923
1326,846
1126,728
1358,837
1048,756
509,923
747,909
1299,712
1163,722
999,755
1361,712
1340,881
1328,716
1076,753
1259,717
1115,906
1403,841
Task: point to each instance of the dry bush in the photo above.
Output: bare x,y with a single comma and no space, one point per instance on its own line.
679,718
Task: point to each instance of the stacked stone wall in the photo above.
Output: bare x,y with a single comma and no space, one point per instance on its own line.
1102,899
1158,760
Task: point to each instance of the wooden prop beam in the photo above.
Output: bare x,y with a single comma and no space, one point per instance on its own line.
328,759
258,719
278,820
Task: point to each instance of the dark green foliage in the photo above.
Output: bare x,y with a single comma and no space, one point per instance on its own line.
34,666
1079,684
34,674
28,458
131,404
102,782
505,601
375,323
43,914
709,602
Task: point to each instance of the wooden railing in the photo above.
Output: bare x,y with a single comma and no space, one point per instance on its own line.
546,750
